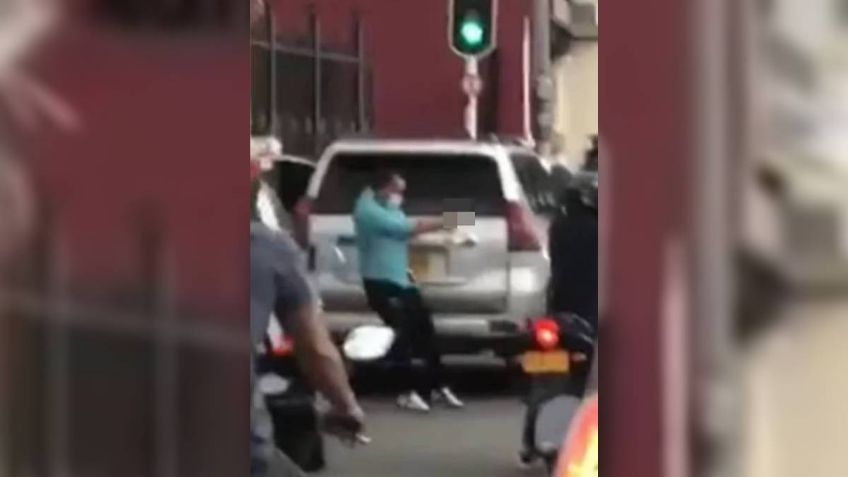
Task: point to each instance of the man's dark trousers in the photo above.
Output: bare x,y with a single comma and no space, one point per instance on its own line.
404,310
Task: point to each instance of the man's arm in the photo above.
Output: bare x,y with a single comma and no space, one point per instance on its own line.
383,222
395,225
411,228
320,359
297,304
424,226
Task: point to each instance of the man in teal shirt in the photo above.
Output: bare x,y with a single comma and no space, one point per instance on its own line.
382,237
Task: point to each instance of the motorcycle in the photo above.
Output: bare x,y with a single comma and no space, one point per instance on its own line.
295,406
557,364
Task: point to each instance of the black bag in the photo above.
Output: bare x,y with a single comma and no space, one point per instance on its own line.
297,428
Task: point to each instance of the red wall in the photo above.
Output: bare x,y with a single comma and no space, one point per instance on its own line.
416,76
149,107
645,120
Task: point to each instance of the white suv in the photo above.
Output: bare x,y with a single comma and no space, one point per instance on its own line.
483,281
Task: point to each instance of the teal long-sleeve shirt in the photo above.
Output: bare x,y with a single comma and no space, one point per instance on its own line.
382,239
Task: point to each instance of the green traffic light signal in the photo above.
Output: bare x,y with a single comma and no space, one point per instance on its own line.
472,32
472,27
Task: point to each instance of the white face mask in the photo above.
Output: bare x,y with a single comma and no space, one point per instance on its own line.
395,200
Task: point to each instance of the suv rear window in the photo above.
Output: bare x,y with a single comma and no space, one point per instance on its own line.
435,183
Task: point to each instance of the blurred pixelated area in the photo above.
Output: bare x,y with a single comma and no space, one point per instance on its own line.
460,212
124,331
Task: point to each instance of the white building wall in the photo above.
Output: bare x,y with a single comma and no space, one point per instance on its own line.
576,114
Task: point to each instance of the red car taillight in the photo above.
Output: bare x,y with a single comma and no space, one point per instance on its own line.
522,237
546,333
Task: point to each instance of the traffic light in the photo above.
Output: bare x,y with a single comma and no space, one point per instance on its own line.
472,27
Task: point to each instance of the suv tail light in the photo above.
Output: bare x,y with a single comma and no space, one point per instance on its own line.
522,237
301,219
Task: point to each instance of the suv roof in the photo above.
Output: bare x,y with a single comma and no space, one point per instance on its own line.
497,151
487,139
425,145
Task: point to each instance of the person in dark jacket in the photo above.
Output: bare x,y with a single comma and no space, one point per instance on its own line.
590,162
573,248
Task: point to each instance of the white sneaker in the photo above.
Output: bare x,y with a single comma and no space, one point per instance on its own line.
448,398
413,402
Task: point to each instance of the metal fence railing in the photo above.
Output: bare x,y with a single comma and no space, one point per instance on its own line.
306,92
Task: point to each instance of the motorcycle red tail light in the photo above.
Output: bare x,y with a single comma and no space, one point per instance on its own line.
546,333
284,348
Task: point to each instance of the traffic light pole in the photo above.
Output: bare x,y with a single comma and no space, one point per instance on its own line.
543,73
272,70
471,86
472,33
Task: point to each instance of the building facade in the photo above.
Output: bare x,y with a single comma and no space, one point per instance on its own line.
413,82
576,78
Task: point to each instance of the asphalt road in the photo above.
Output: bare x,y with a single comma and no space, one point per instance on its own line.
479,441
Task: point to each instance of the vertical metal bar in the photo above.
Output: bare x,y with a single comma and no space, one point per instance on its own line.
545,91
525,86
5,427
361,72
272,69
472,73
316,82
675,334
57,352
712,235
165,398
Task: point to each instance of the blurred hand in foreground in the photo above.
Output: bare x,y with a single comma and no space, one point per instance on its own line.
23,25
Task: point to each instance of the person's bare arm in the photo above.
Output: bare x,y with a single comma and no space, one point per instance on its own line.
297,305
424,226
320,360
